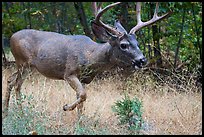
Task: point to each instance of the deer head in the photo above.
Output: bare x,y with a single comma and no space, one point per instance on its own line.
126,51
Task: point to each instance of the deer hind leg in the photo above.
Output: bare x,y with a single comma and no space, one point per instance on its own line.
22,73
15,80
81,94
11,82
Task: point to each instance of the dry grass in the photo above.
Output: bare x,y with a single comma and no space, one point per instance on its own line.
166,111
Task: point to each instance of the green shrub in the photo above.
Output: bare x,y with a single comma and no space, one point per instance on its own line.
129,112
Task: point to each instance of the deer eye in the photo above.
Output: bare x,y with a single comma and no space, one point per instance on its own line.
124,46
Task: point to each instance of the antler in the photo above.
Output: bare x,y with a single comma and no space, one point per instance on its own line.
141,24
98,12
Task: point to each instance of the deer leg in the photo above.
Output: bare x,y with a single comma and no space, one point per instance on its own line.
79,106
77,86
19,83
11,82
23,72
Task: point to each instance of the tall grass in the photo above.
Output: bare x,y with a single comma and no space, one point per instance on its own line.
167,109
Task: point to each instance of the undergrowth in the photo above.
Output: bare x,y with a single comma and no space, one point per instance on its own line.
21,122
154,101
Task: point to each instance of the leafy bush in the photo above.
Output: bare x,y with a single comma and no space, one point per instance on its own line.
129,112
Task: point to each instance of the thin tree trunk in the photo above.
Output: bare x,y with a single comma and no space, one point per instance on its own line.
156,48
24,15
63,16
29,16
197,33
180,39
149,44
82,17
55,27
124,15
49,16
142,38
156,37
65,24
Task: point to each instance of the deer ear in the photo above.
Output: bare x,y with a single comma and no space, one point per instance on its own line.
119,27
101,33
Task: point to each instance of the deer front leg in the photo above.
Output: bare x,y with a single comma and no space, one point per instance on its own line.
77,86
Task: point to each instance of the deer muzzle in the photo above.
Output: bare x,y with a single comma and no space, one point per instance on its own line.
139,63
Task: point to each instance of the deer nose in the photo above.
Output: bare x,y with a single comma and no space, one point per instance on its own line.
143,61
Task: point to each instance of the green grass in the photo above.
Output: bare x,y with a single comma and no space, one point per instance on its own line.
21,122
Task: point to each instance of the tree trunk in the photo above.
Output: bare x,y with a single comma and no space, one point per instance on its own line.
197,33
124,15
180,39
82,17
29,16
54,13
156,38
65,25
24,15
156,48
149,43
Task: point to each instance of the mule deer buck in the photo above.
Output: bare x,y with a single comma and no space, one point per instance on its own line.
76,58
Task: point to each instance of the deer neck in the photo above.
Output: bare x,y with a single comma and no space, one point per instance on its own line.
98,61
101,58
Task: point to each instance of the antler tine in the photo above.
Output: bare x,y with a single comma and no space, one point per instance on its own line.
100,12
141,24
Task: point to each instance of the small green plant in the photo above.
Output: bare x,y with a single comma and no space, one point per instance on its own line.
21,122
129,112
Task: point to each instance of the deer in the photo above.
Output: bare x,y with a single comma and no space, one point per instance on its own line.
76,59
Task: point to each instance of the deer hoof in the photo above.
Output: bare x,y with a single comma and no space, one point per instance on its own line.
67,107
